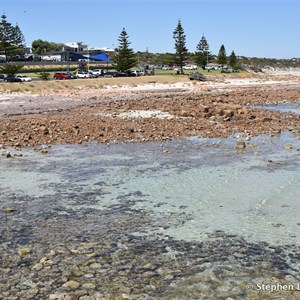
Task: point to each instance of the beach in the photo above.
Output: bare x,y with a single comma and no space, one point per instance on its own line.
150,188
140,110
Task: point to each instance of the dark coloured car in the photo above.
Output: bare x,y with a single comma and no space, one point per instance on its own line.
126,74
72,76
12,79
61,76
2,76
110,74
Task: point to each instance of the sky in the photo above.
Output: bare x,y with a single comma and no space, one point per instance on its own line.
251,28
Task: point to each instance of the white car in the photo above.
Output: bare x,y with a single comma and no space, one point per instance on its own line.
191,67
83,75
97,72
24,78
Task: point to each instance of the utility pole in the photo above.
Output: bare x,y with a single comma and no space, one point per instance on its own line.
68,60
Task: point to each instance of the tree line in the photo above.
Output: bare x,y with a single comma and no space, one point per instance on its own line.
125,57
202,55
12,44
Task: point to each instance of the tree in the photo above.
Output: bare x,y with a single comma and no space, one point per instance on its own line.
44,75
222,58
39,46
124,57
10,69
11,39
180,45
203,55
233,61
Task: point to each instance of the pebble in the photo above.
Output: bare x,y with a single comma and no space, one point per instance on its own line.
23,251
288,146
9,209
71,284
240,144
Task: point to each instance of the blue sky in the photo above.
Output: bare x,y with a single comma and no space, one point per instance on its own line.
256,28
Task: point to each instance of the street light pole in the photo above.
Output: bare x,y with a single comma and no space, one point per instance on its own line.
68,60
206,49
88,60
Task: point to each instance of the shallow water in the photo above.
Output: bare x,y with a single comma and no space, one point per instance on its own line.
196,185
191,218
282,107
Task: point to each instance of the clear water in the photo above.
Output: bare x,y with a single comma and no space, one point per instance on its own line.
282,107
195,185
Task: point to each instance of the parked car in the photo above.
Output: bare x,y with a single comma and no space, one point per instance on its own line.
136,73
61,76
92,75
72,76
12,79
190,67
126,74
2,76
83,75
24,78
110,74
97,72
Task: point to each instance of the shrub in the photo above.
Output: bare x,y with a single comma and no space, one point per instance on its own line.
44,75
10,69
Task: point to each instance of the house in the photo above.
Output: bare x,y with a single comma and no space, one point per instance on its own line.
74,47
51,56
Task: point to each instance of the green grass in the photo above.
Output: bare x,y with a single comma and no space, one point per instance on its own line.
157,72
186,72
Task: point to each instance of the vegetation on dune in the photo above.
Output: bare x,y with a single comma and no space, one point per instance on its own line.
44,75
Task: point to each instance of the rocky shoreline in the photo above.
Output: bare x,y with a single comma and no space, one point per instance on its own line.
52,252
147,115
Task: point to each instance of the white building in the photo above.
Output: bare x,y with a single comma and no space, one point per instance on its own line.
107,49
75,47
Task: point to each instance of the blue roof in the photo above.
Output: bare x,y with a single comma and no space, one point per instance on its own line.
101,56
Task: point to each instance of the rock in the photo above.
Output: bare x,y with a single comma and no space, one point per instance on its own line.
48,263
71,284
184,113
62,296
23,251
44,151
288,147
228,113
95,266
89,286
291,279
42,260
6,154
206,109
9,209
240,144
37,267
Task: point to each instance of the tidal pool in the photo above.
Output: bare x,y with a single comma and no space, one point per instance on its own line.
252,193
190,191
282,107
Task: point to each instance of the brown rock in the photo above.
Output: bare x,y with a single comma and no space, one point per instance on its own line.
240,144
